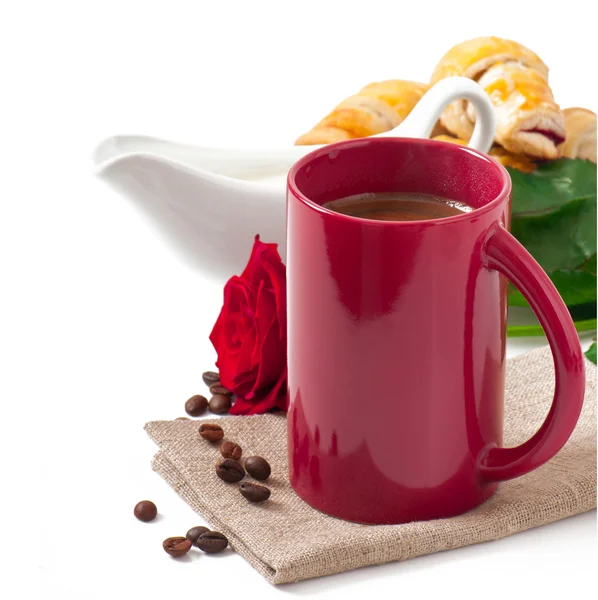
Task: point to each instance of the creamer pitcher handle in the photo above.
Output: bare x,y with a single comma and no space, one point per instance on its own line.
423,117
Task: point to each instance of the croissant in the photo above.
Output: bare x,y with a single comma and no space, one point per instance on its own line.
504,157
528,119
580,125
378,107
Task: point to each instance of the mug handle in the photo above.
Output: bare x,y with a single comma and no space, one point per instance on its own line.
421,120
507,256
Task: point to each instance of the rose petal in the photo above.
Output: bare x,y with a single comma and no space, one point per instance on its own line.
253,272
255,357
278,280
271,351
265,314
274,397
243,382
260,254
234,334
230,305
250,340
274,359
266,265
283,392
236,293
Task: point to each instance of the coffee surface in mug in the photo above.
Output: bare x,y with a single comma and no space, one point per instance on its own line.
398,206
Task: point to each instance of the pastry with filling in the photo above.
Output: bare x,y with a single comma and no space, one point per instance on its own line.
580,142
528,119
504,157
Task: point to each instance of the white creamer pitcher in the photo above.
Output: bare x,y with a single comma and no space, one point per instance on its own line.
212,202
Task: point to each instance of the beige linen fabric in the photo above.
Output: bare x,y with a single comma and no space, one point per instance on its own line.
287,540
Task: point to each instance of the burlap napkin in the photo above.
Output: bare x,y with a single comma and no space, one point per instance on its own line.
287,540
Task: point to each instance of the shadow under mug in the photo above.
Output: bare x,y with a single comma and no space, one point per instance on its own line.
397,333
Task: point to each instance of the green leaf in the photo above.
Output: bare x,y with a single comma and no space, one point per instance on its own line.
554,217
576,287
536,330
591,353
552,184
581,312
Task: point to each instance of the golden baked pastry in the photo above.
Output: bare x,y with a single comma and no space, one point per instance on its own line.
378,107
504,157
521,162
528,119
472,57
450,138
580,125
440,130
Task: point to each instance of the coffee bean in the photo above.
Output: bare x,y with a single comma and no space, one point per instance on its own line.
182,419
230,470
220,404
211,432
216,388
231,450
212,542
176,546
209,378
195,532
196,405
145,510
258,467
254,492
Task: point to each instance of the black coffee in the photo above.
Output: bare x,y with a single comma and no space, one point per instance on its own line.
398,206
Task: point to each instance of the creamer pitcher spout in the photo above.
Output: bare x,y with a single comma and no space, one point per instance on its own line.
210,220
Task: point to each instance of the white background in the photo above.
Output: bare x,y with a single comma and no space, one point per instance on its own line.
104,326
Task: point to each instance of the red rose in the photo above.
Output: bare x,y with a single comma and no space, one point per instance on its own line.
250,335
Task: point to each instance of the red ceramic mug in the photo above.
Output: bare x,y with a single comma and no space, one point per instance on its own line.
397,333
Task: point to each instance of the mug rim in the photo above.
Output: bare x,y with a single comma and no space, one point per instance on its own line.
492,163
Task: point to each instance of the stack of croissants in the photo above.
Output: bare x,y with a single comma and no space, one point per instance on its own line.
530,124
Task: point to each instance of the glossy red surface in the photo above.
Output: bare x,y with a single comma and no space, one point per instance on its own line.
397,336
